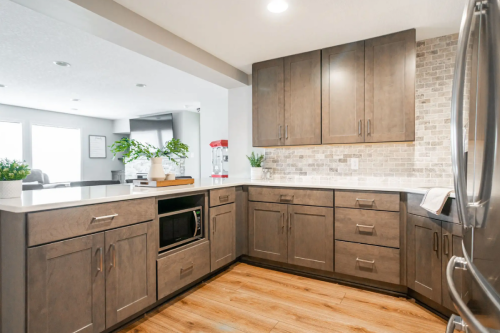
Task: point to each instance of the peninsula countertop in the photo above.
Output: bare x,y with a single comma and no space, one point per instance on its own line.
39,200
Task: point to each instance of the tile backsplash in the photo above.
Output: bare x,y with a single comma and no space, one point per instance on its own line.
426,159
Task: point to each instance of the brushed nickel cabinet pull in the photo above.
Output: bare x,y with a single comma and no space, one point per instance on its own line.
99,266
283,223
365,226
223,197
190,267
368,201
279,132
106,217
290,223
286,200
286,132
359,127
446,245
215,223
435,242
112,252
368,129
366,261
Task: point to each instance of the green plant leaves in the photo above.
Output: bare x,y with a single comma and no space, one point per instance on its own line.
256,160
13,170
133,149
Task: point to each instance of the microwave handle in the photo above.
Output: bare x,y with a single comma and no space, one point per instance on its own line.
195,223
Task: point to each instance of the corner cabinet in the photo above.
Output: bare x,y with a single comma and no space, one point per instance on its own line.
390,87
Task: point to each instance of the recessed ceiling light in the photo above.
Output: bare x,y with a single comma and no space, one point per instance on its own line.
140,85
62,63
74,109
277,6
75,100
3,86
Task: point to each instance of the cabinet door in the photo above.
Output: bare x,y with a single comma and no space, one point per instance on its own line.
242,221
390,87
424,256
222,244
343,97
303,99
267,236
452,246
130,271
310,240
268,103
66,286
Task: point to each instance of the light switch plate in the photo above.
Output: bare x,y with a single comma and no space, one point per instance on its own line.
354,163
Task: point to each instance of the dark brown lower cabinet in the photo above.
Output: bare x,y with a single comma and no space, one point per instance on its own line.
424,256
222,244
130,271
267,237
310,238
452,246
66,286
299,235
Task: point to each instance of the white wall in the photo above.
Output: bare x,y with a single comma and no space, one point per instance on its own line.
187,129
92,169
240,131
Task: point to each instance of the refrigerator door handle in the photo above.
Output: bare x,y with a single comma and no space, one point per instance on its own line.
455,324
457,98
468,318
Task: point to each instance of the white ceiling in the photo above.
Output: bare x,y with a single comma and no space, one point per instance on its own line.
242,32
103,75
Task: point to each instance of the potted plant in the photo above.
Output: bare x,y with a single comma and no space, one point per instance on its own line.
12,173
133,149
256,164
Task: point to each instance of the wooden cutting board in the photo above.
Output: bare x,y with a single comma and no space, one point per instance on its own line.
163,183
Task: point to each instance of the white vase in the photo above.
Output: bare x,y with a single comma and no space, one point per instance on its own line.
11,189
156,172
256,173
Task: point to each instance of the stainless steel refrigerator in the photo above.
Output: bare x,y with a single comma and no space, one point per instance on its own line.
474,279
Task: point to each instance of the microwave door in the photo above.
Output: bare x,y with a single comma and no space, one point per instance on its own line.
179,227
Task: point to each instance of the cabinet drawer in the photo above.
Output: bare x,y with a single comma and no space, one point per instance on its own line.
367,226
222,196
322,198
182,268
54,225
367,200
367,261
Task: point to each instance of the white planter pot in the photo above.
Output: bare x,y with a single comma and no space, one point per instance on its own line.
156,172
11,189
255,173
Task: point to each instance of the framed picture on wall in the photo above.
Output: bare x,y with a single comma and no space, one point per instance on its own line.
97,146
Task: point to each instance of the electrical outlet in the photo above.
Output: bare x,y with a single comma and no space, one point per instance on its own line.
354,163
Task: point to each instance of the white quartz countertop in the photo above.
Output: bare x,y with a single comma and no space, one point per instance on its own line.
39,200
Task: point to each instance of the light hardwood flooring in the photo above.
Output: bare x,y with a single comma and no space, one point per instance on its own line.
250,299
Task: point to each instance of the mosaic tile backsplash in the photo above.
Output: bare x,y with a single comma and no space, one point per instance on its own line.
427,159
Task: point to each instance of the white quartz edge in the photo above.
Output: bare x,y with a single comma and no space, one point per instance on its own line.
48,199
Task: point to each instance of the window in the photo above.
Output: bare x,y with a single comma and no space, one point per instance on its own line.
57,152
11,140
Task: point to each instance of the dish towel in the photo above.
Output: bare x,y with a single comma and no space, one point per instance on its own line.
434,199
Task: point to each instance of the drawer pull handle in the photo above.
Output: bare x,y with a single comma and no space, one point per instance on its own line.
106,217
283,198
223,197
365,226
365,201
190,267
366,261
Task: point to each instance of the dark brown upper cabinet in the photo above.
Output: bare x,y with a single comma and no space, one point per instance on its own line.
343,99
390,87
303,99
268,103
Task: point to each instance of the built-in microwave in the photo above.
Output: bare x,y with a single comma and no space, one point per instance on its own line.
180,227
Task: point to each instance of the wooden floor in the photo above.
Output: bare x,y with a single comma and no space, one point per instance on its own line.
251,299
